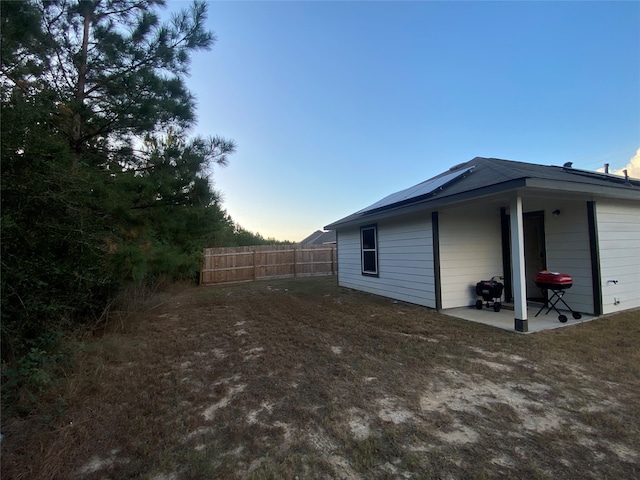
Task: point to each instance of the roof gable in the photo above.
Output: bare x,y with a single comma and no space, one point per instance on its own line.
319,238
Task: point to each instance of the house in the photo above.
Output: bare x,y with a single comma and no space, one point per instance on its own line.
320,238
431,243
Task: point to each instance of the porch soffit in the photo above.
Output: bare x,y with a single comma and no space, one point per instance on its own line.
602,191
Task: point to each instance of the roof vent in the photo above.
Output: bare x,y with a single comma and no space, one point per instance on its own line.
456,167
567,165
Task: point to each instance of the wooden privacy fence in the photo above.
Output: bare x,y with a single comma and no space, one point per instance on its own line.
241,264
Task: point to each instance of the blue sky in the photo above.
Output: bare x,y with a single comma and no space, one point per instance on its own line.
335,105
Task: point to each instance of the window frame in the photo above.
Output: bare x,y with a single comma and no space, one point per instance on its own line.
369,273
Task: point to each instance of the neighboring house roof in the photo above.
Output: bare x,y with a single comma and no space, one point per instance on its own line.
486,176
320,238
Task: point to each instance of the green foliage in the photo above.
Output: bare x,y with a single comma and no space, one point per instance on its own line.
52,258
118,71
34,372
33,368
163,208
245,238
83,211
101,185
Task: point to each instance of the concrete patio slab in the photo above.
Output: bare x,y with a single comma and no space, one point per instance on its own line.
504,319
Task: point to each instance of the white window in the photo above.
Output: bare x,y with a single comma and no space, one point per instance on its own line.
369,243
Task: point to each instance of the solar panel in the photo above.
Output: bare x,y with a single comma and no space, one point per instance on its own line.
422,189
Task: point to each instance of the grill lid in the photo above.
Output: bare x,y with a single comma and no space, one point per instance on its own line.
545,277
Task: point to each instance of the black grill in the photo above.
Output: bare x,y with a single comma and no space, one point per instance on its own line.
491,292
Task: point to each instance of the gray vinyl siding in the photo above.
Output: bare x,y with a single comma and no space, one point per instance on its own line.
470,251
619,244
405,260
568,251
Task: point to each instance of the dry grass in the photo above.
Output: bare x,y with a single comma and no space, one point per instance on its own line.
301,379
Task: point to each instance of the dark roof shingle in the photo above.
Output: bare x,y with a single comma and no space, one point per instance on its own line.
494,174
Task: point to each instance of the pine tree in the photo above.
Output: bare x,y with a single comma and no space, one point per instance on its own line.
100,183
118,71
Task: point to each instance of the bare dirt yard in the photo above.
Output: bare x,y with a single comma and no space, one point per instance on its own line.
301,379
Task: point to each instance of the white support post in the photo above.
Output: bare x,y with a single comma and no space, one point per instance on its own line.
519,280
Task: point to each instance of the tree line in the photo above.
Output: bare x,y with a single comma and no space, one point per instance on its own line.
102,184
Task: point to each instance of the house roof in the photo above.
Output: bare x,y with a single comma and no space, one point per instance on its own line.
320,238
485,176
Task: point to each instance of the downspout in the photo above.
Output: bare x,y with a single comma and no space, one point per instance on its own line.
435,231
596,280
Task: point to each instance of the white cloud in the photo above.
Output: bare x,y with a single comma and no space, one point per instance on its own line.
632,168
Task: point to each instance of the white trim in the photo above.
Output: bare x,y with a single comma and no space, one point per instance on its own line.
519,280
369,250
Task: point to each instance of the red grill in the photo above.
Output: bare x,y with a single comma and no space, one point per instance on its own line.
553,281
556,283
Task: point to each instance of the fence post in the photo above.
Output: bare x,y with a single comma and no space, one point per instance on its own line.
295,266
255,266
332,260
204,261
